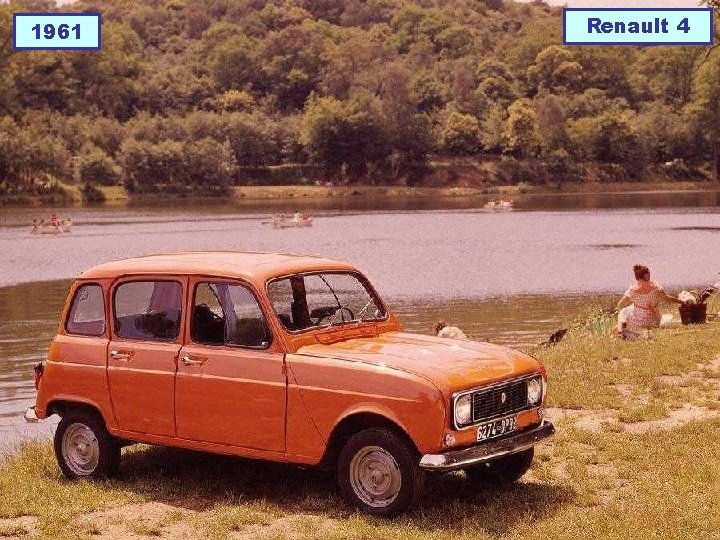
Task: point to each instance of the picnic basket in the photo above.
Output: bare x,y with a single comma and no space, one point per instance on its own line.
693,313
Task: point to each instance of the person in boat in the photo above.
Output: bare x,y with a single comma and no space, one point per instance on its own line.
55,220
444,330
638,309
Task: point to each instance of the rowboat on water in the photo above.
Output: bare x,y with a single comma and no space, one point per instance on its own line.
501,205
281,221
54,226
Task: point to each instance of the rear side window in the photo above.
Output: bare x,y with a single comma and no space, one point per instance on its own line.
87,313
228,314
148,310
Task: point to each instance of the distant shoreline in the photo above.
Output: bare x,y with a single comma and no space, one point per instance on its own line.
116,195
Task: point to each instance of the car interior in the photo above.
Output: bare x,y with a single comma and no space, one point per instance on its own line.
211,325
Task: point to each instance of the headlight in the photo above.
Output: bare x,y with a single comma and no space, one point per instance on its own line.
534,391
463,410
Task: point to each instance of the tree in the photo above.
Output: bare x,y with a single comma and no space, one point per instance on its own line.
664,73
107,80
345,138
460,133
208,167
292,62
705,106
607,138
233,64
492,128
96,168
550,115
522,132
253,140
455,41
203,166
665,132
555,68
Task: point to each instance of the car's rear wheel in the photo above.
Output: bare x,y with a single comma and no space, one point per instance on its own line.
378,473
502,471
84,447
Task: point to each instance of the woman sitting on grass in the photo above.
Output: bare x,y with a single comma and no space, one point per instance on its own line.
639,306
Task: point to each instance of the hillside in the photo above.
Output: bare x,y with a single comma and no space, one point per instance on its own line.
192,97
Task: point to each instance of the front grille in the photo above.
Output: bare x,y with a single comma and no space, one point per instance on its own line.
489,403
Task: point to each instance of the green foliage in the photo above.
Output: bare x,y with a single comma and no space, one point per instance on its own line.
233,64
522,132
705,105
460,133
97,168
236,100
345,138
607,138
366,89
202,167
555,68
92,194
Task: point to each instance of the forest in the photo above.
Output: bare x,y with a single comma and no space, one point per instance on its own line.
191,98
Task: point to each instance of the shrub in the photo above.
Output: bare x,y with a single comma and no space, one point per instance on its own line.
97,168
91,194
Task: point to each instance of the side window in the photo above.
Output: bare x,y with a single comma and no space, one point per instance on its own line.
148,310
87,313
228,314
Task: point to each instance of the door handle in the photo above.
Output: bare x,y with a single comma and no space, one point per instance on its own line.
188,360
123,356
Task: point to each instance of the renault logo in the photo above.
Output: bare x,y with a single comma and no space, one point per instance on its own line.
503,397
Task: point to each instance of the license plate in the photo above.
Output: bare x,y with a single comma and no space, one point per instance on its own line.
496,428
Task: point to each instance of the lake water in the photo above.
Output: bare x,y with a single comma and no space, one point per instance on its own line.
510,277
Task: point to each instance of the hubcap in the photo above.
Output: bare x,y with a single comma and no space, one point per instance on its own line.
375,476
80,449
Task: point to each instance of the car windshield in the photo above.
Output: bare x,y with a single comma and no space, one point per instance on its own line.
305,301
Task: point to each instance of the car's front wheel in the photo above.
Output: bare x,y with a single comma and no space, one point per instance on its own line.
84,447
378,473
503,471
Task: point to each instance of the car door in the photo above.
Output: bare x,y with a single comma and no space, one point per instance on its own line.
142,355
231,382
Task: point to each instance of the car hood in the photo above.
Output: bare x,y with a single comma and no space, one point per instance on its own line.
450,364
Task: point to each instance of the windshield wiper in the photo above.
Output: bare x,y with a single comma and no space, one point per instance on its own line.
362,311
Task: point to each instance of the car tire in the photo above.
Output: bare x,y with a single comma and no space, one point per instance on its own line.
84,448
379,473
502,471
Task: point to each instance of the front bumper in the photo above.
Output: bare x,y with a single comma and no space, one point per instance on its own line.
30,415
460,459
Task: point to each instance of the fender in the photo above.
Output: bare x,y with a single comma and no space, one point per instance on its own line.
74,399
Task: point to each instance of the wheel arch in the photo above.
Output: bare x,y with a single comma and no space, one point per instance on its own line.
355,422
63,405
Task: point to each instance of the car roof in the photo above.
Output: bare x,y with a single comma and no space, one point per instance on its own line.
253,267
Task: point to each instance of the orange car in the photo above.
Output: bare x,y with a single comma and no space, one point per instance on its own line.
285,358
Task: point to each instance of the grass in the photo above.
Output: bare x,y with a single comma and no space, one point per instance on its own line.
8,531
323,192
603,483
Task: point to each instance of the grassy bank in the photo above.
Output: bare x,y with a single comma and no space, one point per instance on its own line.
635,455
117,196
323,192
